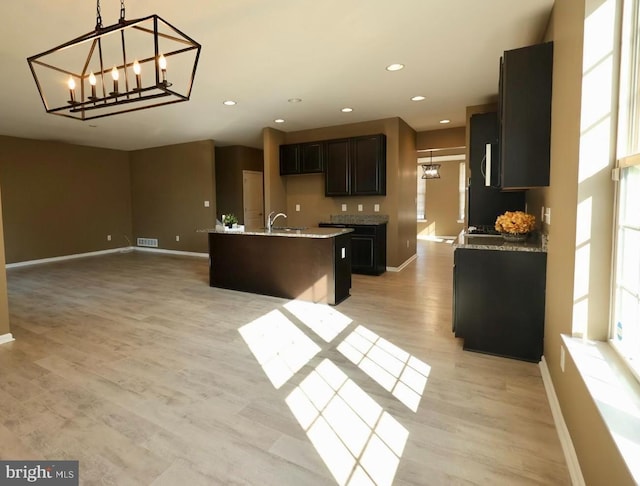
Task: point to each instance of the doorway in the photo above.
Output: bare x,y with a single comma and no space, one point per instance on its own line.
252,200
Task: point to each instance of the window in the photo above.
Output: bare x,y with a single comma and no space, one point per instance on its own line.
626,295
421,201
462,191
625,322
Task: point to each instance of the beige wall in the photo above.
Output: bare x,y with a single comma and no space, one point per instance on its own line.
275,189
230,162
443,138
308,190
4,301
169,186
599,459
61,199
406,191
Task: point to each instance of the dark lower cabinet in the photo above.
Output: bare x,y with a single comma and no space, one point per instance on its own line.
368,247
499,300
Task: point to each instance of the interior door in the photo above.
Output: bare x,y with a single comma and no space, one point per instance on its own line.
252,200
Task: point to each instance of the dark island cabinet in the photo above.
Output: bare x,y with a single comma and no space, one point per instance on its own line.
356,166
499,300
301,158
368,247
525,116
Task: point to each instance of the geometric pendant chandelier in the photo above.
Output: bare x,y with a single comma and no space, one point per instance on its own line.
128,66
431,170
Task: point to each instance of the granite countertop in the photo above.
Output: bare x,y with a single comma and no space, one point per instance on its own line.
536,243
287,232
357,219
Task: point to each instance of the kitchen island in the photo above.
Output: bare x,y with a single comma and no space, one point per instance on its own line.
311,264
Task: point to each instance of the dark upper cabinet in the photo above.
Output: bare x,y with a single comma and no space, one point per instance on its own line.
525,116
301,158
337,168
289,159
486,203
356,166
311,157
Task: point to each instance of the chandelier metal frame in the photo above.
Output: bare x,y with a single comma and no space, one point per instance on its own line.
99,101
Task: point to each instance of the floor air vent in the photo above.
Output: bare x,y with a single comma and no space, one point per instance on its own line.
153,242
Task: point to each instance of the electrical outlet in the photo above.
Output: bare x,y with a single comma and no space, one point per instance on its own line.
206,204
298,207
547,214
407,243
376,208
562,358
108,237
344,207
177,237
359,207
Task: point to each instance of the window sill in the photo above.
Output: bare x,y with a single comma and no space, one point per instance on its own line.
615,392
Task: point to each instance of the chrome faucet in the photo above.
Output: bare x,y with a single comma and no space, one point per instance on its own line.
270,221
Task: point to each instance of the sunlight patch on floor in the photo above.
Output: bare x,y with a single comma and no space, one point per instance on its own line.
394,369
280,347
359,442
439,239
322,319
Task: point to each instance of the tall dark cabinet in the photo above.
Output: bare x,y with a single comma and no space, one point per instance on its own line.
487,203
526,76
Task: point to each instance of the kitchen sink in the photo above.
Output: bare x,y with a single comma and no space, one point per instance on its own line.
288,228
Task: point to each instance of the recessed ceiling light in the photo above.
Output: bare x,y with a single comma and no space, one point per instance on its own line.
229,102
445,121
417,98
395,67
346,110
279,120
294,100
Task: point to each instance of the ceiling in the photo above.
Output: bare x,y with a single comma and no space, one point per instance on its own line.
329,53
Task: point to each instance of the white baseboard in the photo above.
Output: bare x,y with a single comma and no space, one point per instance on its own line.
65,257
6,338
125,249
172,252
401,267
561,427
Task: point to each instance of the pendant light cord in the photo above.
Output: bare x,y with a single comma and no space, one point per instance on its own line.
121,10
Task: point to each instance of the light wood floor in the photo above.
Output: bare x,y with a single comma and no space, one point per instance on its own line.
133,365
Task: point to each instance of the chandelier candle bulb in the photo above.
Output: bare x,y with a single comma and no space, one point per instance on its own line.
72,90
115,75
136,70
162,62
92,82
